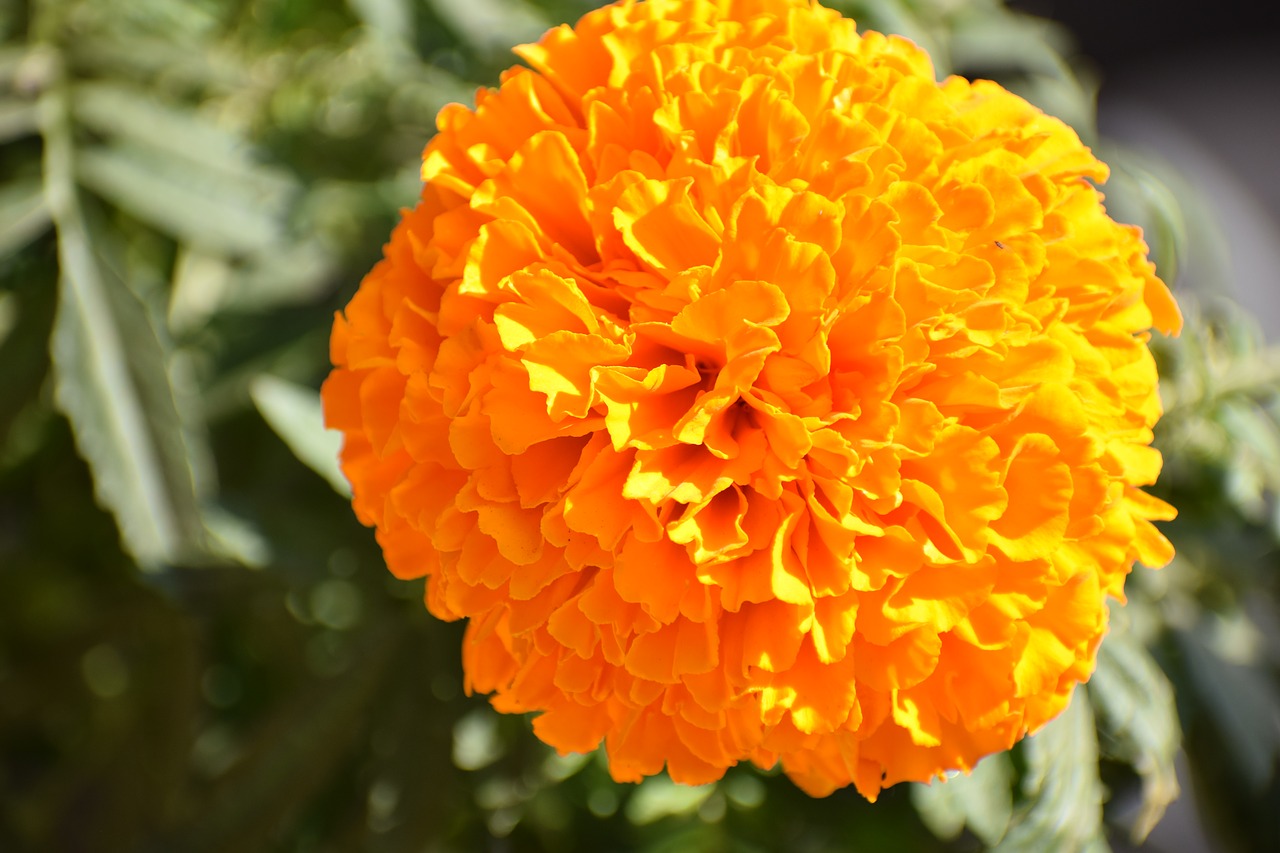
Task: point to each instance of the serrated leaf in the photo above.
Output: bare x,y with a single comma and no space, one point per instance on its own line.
24,216
1136,713
982,800
119,399
1062,788
125,432
194,206
294,412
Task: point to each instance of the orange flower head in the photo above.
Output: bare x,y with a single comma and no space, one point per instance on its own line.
757,397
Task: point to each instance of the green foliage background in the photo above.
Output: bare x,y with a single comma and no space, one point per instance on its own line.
199,647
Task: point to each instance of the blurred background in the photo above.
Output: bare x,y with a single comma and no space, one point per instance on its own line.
200,649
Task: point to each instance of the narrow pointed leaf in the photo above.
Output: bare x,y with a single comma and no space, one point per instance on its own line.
190,205
131,115
111,379
294,413
122,430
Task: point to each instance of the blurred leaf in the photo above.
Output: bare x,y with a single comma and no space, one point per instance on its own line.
492,26
234,538
144,57
982,800
1136,193
200,282
1137,715
11,59
391,19
193,205
1062,95
24,215
17,119
1061,785
206,283
294,413
476,743
129,114
284,275
1242,702
1255,437
8,315
658,797
1006,42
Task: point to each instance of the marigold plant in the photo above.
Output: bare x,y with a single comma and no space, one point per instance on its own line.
757,397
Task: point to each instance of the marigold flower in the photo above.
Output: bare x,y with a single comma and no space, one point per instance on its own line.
757,397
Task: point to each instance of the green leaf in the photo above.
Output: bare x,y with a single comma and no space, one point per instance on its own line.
1137,193
12,56
121,428
24,216
390,19
1241,701
1139,722
130,115
192,205
492,26
8,315
206,283
659,797
294,412
1254,468
982,800
147,56
1061,785
111,379
286,275
17,119
234,538
1006,42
